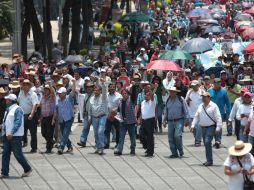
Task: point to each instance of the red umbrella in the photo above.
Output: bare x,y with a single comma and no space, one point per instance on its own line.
250,11
249,49
228,35
166,65
249,32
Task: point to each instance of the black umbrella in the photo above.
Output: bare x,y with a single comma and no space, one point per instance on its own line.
214,70
214,29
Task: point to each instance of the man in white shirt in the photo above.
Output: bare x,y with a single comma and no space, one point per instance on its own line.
194,99
209,118
148,107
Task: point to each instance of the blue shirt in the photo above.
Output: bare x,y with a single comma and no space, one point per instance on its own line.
64,109
220,97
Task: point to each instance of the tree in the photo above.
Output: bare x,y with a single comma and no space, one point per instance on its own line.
6,21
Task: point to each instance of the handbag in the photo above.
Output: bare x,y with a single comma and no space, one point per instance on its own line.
248,184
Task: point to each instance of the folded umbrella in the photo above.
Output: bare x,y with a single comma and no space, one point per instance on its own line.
176,55
164,65
214,29
197,45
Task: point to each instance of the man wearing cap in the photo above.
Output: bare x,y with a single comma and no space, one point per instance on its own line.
143,57
176,114
220,97
13,130
207,83
232,116
28,101
209,118
84,107
98,112
65,114
47,106
194,99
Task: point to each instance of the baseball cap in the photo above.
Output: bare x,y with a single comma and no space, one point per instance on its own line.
142,49
194,83
247,94
207,78
103,70
12,97
244,89
62,90
217,80
87,78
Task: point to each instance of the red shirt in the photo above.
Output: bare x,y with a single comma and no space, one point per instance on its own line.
154,56
185,80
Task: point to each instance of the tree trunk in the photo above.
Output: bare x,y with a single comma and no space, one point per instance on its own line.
87,14
24,34
65,26
75,20
49,40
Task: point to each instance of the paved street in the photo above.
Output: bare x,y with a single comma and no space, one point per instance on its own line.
85,170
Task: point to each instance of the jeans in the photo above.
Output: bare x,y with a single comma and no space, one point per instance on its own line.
243,137
108,129
175,136
86,129
30,125
122,132
65,130
14,146
99,129
159,113
197,132
47,131
208,133
251,141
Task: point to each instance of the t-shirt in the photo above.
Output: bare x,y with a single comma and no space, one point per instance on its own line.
232,97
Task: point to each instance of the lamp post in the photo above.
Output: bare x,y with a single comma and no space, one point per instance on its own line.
16,42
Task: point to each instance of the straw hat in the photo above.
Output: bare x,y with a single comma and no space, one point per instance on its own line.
14,84
55,75
59,83
47,87
31,72
26,81
174,89
2,91
31,68
240,148
246,79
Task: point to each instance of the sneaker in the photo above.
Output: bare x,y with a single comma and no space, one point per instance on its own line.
48,151
100,152
132,153
26,174
116,153
82,144
149,155
106,147
217,145
60,151
197,144
96,151
173,156
70,149
229,134
33,151
2,176
208,163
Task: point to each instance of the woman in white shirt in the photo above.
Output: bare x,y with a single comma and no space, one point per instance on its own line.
239,162
243,113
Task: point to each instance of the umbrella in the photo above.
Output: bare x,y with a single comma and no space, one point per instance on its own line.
214,6
249,49
214,29
197,12
136,17
249,32
250,11
74,59
208,21
197,45
205,17
228,35
164,65
214,70
243,17
175,54
4,82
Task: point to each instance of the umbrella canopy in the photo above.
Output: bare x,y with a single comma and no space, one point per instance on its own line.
249,32
74,59
176,54
164,65
135,17
205,17
249,49
208,21
250,11
214,6
197,12
228,35
214,29
197,45
243,17
214,70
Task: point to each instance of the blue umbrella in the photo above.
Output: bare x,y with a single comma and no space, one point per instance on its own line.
197,45
214,29
197,12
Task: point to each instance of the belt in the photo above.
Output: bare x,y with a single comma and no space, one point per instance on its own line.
175,119
208,126
100,116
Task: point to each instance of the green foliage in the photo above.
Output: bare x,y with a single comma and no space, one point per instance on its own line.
6,23
83,52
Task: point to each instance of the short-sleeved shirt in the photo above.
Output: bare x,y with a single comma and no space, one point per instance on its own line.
27,101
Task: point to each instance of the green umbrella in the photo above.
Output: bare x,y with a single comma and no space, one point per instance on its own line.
175,54
135,17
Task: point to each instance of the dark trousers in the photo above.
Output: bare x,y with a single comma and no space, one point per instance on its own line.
14,145
108,128
47,131
30,125
237,129
147,136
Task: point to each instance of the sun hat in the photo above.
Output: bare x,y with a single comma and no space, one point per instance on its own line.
207,78
240,148
62,90
59,83
12,97
174,89
14,84
206,94
31,72
47,87
26,81
194,82
2,91
87,78
246,79
217,80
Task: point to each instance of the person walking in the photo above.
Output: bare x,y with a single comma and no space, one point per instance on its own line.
99,111
209,118
13,131
28,102
64,111
176,115
47,106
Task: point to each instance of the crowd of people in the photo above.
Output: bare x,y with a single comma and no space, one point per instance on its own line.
114,92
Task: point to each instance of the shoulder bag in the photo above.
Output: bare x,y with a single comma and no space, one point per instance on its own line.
248,184
209,115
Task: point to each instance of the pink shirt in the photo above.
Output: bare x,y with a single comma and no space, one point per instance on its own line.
251,120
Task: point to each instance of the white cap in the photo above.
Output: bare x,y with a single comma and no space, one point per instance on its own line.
103,70
210,33
62,90
12,97
142,49
87,78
